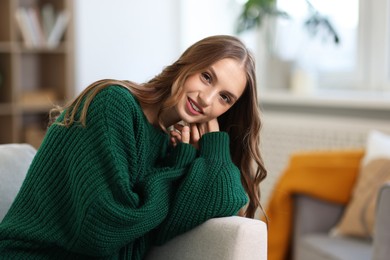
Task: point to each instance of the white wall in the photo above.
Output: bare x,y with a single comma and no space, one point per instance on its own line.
124,39
202,18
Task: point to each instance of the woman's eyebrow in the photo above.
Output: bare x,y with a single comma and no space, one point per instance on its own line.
215,79
213,74
232,96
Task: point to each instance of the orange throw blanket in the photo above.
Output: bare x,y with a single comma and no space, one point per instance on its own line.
327,175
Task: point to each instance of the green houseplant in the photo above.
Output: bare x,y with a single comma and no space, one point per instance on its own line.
254,12
260,16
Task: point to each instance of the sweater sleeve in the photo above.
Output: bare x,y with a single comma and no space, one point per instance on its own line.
211,188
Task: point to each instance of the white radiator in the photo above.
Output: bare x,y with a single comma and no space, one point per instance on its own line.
283,134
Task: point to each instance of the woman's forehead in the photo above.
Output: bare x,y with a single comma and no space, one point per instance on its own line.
230,74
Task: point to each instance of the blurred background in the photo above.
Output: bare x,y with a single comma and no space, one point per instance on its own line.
323,70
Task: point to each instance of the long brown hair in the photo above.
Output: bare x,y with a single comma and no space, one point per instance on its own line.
242,121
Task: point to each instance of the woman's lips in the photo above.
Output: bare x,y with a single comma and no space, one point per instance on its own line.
193,107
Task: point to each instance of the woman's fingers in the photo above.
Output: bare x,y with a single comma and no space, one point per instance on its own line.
185,134
180,133
173,141
195,135
176,134
178,127
175,137
191,134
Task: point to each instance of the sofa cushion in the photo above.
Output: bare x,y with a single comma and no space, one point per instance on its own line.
377,146
324,247
359,215
14,162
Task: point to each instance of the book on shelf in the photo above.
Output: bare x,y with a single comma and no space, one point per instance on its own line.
58,29
23,23
41,28
48,18
35,26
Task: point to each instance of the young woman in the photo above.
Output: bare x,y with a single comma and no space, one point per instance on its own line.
110,179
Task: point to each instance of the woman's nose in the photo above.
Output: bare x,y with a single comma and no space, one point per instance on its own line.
206,97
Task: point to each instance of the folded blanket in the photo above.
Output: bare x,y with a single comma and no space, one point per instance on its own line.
326,175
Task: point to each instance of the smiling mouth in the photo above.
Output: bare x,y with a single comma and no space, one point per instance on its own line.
194,106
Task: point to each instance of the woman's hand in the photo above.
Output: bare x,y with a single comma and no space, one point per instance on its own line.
191,134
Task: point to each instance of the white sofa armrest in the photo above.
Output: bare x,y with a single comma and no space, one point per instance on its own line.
14,162
228,238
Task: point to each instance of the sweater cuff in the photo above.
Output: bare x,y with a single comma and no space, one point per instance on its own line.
182,155
215,145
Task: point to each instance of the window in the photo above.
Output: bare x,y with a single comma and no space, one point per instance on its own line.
359,61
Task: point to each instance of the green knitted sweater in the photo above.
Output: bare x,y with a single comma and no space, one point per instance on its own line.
114,188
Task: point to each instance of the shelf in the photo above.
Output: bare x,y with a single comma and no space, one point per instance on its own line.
62,48
5,78
6,109
34,127
379,100
342,104
43,73
7,135
33,78
34,135
5,47
37,106
18,46
5,17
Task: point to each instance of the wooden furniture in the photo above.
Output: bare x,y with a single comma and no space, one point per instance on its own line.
34,75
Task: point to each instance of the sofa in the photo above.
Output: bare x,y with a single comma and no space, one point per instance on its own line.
314,220
357,228
230,238
332,205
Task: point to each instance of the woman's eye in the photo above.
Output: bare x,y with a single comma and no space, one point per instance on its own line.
226,98
206,77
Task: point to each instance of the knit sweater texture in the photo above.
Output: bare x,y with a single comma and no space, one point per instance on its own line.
114,188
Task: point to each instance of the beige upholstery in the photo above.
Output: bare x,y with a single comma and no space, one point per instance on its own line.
14,162
230,238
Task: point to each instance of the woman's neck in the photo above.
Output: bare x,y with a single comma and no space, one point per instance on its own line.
168,117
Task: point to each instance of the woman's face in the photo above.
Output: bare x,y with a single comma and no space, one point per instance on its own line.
210,93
